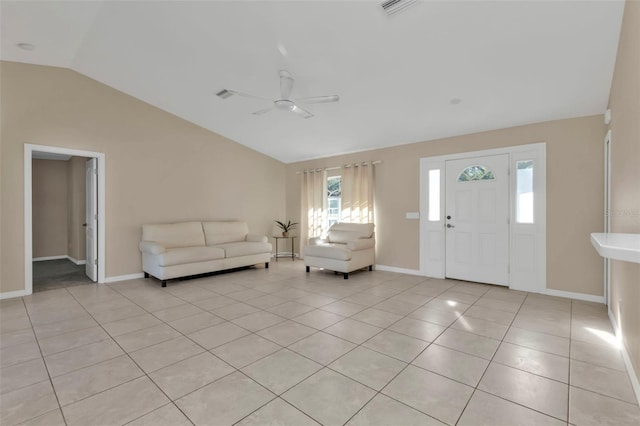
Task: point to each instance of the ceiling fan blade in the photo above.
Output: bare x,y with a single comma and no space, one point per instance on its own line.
286,84
264,110
301,112
245,95
319,99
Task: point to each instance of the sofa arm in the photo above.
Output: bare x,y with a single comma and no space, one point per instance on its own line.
255,238
361,244
151,247
316,241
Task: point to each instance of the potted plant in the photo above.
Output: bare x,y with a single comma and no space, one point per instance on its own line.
286,227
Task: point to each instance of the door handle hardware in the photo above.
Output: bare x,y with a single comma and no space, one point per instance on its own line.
450,225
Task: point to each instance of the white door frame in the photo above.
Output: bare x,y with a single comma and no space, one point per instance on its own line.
432,256
607,213
29,149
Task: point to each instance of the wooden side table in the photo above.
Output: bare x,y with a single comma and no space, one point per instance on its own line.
292,238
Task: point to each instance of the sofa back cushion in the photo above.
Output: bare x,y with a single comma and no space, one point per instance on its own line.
224,232
345,232
173,235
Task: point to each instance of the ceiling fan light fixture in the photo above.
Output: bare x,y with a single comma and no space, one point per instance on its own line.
285,104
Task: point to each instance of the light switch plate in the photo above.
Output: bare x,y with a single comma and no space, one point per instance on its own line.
412,215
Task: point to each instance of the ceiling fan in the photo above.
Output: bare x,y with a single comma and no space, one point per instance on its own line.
285,102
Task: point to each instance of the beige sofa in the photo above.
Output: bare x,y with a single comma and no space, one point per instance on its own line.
348,247
191,248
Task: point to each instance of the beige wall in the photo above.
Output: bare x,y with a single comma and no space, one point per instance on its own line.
625,177
574,195
159,168
76,208
50,207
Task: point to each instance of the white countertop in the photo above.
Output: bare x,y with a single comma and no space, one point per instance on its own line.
618,246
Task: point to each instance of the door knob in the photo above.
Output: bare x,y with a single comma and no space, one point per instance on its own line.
450,225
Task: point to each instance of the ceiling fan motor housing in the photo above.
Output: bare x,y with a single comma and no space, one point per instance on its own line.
285,104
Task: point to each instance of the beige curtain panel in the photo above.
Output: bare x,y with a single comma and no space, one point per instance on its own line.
357,193
313,207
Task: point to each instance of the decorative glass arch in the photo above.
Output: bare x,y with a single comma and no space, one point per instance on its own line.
477,172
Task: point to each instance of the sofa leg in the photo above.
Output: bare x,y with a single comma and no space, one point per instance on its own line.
371,267
346,276
266,265
164,283
146,275
308,269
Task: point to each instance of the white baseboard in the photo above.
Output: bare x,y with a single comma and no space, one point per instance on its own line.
625,356
398,270
40,259
76,261
572,295
12,294
124,277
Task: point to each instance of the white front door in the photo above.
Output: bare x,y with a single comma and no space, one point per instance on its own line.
91,218
477,219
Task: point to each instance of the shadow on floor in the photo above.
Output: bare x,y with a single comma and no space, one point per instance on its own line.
59,273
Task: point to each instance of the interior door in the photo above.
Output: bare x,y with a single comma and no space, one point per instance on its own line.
91,218
477,219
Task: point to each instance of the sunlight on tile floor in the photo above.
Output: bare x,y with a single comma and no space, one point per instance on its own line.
278,345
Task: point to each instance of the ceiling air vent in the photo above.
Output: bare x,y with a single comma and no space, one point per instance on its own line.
391,7
224,93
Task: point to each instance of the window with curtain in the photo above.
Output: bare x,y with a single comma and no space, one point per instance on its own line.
334,200
346,196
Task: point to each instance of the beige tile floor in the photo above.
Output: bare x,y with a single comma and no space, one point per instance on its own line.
279,346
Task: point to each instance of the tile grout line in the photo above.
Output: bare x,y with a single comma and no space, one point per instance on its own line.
64,419
378,392
569,366
132,360
360,289
475,388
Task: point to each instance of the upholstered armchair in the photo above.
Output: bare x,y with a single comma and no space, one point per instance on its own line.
347,248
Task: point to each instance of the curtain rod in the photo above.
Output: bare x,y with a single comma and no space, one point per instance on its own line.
373,163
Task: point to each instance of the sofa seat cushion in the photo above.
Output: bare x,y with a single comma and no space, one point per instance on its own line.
180,256
329,251
244,248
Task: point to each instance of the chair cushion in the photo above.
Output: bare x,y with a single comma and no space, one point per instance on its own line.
171,235
224,232
244,248
329,251
180,256
342,236
345,232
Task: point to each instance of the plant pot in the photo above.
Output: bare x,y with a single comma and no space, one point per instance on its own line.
285,233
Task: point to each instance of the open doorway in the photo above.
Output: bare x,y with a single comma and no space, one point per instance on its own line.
59,200
64,218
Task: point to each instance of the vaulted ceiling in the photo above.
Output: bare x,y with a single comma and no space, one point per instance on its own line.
439,68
